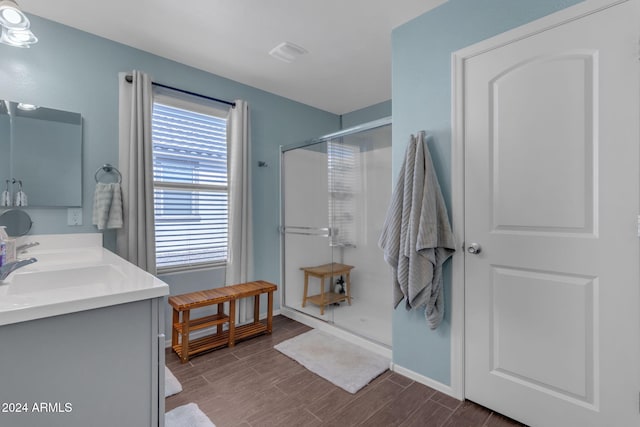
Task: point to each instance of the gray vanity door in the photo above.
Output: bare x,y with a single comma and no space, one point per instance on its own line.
92,368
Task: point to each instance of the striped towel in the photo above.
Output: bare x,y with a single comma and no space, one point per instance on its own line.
107,206
5,199
416,236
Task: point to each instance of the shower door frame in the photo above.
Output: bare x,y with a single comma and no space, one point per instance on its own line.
300,315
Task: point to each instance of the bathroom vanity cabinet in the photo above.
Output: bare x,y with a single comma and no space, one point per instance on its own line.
100,367
81,339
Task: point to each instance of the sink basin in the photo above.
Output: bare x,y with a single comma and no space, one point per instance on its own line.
74,273
93,278
55,258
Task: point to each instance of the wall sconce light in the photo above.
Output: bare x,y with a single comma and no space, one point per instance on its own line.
15,25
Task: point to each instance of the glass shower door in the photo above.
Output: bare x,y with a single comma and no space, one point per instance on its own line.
307,273
335,194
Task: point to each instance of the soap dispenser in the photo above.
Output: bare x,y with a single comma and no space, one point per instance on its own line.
9,245
3,245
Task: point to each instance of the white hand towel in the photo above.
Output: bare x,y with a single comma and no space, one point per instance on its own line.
21,199
115,210
5,200
101,204
107,206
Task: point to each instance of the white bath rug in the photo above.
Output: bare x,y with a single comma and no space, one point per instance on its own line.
346,365
188,415
171,384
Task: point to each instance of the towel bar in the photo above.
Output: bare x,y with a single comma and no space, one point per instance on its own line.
307,231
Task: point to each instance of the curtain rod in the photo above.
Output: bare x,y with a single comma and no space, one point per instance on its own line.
222,101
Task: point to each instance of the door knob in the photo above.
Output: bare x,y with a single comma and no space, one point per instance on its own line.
474,248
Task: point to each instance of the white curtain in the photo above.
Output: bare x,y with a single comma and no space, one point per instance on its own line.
136,239
240,239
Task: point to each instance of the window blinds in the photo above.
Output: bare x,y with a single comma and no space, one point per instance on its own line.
190,180
344,185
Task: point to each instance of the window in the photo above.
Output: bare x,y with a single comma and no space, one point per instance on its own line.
190,183
344,183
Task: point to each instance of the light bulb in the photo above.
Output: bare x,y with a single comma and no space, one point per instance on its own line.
12,17
27,107
18,38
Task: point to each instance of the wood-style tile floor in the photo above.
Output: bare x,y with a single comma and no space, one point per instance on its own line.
253,385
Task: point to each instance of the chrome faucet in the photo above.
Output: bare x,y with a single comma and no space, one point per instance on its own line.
22,248
10,267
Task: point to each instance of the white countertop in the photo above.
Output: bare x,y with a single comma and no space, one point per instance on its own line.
73,273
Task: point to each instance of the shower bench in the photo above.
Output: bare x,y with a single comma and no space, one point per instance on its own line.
183,324
323,272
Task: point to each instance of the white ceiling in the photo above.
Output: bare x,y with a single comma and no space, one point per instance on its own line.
348,66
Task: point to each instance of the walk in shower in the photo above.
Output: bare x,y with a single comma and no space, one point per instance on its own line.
335,193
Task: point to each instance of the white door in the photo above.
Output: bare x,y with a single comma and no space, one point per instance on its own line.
551,138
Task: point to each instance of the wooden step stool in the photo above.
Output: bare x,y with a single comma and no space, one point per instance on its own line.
323,272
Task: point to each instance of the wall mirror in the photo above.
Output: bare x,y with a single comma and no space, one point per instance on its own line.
42,148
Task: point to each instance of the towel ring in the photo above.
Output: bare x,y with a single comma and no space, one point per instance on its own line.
107,168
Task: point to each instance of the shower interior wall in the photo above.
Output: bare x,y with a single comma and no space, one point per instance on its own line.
306,189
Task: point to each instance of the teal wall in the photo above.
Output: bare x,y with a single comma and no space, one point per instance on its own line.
72,70
367,114
5,147
421,73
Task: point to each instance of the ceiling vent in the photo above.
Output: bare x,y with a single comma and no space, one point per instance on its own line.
287,52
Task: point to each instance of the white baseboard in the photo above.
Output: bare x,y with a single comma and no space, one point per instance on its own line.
334,330
204,332
436,385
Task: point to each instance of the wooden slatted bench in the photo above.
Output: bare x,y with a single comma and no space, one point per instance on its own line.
183,324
